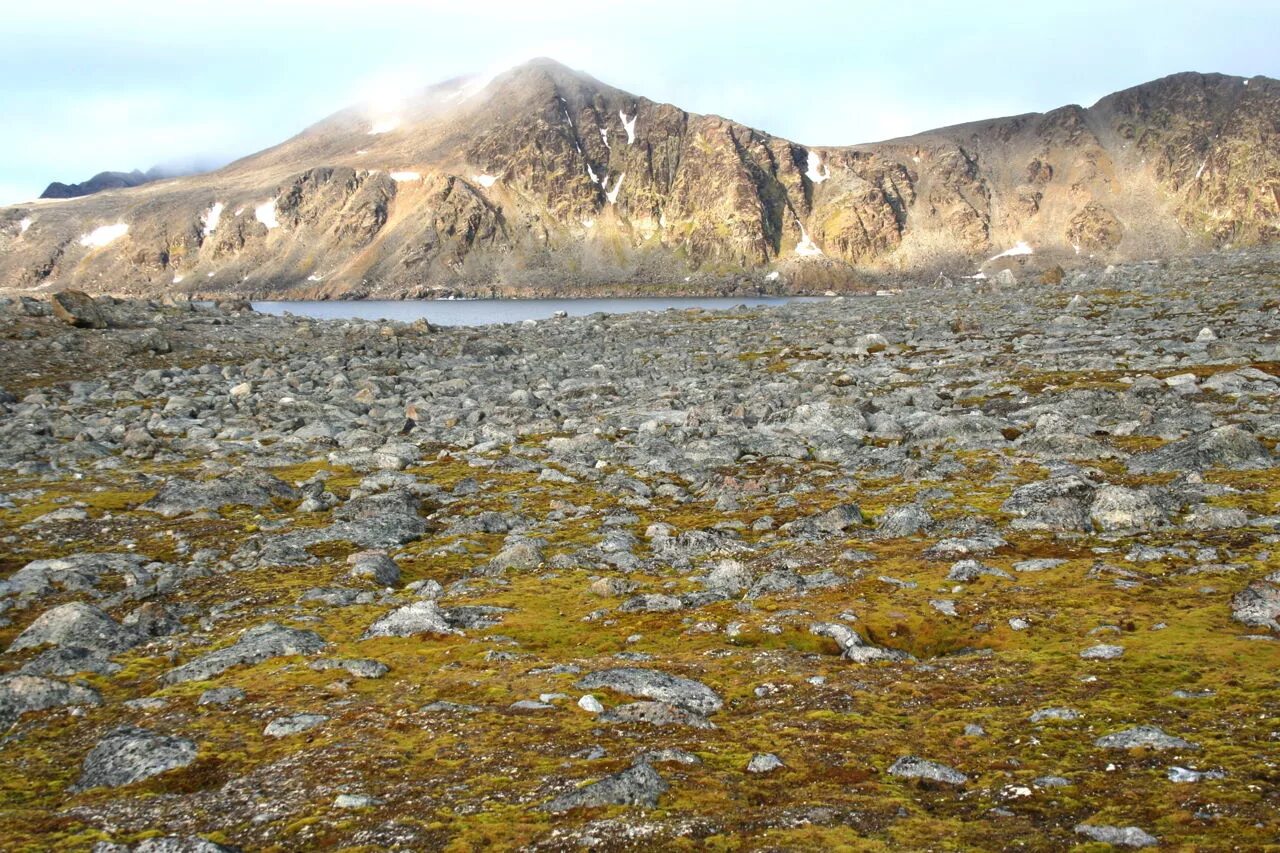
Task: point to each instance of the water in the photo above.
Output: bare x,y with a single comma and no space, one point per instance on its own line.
480,312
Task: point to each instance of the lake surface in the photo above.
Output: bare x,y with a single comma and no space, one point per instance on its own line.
480,312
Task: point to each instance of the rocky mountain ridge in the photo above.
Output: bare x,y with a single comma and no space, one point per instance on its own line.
544,181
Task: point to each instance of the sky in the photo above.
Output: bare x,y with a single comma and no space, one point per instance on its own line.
92,86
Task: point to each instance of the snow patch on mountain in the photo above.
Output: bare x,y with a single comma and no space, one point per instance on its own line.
211,217
612,195
1019,249
629,125
104,234
400,177
806,247
266,214
485,181
816,172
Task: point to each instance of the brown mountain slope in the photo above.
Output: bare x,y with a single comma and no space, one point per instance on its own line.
544,180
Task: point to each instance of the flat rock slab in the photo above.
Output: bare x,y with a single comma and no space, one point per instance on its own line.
1147,737
659,686
258,488
259,643
24,694
130,755
911,767
293,724
1225,447
1119,836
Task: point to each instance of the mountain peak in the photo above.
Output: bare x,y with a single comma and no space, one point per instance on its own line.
540,179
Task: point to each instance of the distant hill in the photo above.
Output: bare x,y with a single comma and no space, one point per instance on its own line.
112,181
545,181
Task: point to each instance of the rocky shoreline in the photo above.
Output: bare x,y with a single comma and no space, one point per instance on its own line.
986,565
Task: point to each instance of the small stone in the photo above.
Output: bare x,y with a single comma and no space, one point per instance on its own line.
292,725
764,763
1102,651
355,801
1055,714
590,704
911,767
1147,737
1128,836
221,696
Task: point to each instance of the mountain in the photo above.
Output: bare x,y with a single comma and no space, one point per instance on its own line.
111,181
544,180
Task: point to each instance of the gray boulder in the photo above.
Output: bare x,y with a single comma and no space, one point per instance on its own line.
23,694
375,566
130,755
639,785
659,686
75,624
1118,836
911,767
1118,508
1257,605
293,724
259,643
254,488
853,647
1147,737
1225,447
420,617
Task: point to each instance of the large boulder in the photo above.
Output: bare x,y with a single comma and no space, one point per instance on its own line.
912,767
1258,605
78,309
254,488
1118,508
75,624
659,686
24,694
853,647
259,643
130,755
1224,447
639,785
420,617
1057,504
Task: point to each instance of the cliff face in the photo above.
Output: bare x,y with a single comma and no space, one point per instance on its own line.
546,181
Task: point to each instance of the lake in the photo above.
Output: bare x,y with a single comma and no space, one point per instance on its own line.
480,312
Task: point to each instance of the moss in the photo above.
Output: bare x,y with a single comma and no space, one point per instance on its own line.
474,781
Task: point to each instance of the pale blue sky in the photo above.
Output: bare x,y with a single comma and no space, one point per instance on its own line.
121,84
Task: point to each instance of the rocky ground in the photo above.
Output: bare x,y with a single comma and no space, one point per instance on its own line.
958,568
